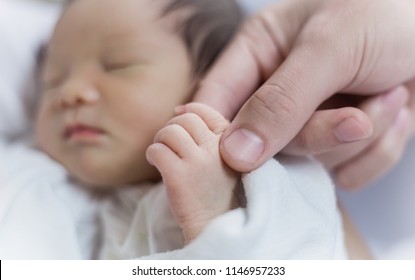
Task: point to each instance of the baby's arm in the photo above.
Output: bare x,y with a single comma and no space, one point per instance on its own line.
199,185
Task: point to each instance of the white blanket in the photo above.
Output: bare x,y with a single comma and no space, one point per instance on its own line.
42,215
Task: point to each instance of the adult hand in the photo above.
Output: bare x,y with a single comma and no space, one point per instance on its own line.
304,51
357,164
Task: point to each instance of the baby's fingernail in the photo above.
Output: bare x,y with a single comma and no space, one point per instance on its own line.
244,146
148,157
150,162
350,130
180,110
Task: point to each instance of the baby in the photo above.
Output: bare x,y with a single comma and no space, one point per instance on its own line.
113,76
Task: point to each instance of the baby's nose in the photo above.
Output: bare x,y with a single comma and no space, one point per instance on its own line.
77,94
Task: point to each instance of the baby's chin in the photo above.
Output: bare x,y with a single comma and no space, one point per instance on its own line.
104,180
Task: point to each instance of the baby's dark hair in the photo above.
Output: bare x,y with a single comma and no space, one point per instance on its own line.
206,29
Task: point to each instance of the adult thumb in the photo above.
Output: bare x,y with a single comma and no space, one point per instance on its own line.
275,114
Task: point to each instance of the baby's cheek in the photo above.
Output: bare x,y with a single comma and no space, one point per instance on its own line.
41,132
45,134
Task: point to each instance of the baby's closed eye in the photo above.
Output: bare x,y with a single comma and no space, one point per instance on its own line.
115,65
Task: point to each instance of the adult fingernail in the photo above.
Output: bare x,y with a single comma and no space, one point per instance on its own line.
244,146
350,130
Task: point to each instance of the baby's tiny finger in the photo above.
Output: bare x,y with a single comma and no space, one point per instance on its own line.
177,139
194,125
161,156
213,119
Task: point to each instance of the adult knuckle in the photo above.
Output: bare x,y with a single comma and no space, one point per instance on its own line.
320,31
275,103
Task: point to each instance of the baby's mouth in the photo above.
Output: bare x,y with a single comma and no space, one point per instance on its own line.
81,131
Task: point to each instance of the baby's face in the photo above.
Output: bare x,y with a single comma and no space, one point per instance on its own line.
113,75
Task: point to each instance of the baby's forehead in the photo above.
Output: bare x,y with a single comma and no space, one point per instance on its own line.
204,26
111,20
113,10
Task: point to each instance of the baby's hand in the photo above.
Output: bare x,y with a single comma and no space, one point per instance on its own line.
199,185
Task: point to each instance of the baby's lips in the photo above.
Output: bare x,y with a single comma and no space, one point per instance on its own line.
81,129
